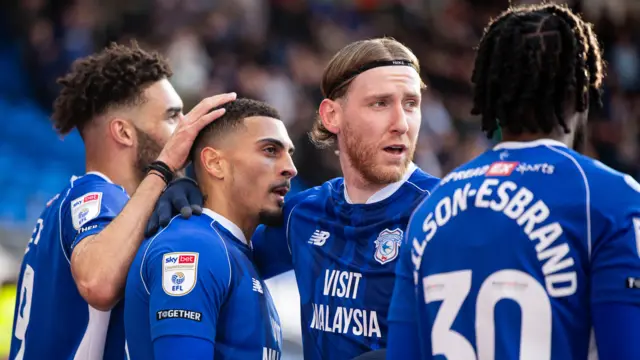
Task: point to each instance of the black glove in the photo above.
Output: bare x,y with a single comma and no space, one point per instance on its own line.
183,197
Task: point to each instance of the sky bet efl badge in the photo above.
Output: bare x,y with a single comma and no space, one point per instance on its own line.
388,245
179,273
85,208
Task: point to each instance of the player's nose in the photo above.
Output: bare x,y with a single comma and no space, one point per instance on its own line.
399,120
288,168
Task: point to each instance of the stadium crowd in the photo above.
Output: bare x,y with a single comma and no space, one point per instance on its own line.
274,51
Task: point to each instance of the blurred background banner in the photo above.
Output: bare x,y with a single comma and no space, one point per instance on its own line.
272,50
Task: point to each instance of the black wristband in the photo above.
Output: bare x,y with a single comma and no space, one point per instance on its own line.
162,169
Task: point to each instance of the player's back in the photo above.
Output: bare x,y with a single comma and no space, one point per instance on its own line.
196,278
52,320
344,257
507,243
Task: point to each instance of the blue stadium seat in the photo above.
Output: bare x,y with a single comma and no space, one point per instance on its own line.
39,163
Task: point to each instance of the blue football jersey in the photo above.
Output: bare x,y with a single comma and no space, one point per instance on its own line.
52,320
512,249
197,278
344,257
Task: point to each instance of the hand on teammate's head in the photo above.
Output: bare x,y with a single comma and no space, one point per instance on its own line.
176,151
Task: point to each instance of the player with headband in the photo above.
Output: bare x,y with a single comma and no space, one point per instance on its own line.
342,238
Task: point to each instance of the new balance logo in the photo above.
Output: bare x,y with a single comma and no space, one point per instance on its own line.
257,286
319,237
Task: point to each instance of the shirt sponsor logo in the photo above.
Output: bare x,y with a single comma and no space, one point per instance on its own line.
501,168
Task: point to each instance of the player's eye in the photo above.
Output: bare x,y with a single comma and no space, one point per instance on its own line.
379,103
411,104
174,117
270,150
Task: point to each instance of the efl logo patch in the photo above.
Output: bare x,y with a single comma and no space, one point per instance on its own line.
179,273
501,168
388,245
85,208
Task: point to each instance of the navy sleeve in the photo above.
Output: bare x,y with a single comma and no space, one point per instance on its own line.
272,248
271,251
182,347
187,280
403,341
616,328
90,208
615,253
403,308
615,268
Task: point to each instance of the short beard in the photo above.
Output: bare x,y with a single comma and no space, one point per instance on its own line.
363,159
147,152
271,218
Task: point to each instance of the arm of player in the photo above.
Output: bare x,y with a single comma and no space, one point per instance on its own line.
272,247
403,341
615,278
186,291
182,347
100,262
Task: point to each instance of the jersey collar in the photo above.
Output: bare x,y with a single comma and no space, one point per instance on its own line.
97,173
388,190
527,144
227,224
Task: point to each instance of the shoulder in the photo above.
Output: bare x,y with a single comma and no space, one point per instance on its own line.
89,195
189,244
193,235
315,192
90,183
312,195
422,181
621,191
620,188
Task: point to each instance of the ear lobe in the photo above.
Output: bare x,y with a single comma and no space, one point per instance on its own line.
122,132
211,161
329,112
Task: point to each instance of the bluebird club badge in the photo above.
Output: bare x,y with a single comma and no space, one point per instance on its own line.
388,245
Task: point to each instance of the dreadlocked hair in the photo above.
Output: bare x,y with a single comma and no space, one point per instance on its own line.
530,61
116,76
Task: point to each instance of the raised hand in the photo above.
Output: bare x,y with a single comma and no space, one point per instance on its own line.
176,151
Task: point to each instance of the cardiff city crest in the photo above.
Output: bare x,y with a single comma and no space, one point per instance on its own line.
388,245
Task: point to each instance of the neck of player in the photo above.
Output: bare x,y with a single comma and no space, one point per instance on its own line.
574,139
129,179
567,139
220,204
357,186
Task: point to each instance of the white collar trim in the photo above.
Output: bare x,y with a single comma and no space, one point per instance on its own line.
227,224
528,144
97,173
388,190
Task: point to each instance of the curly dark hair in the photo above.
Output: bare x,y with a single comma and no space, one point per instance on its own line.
116,76
533,61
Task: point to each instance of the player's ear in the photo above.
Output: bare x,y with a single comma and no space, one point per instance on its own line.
212,161
122,131
329,112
